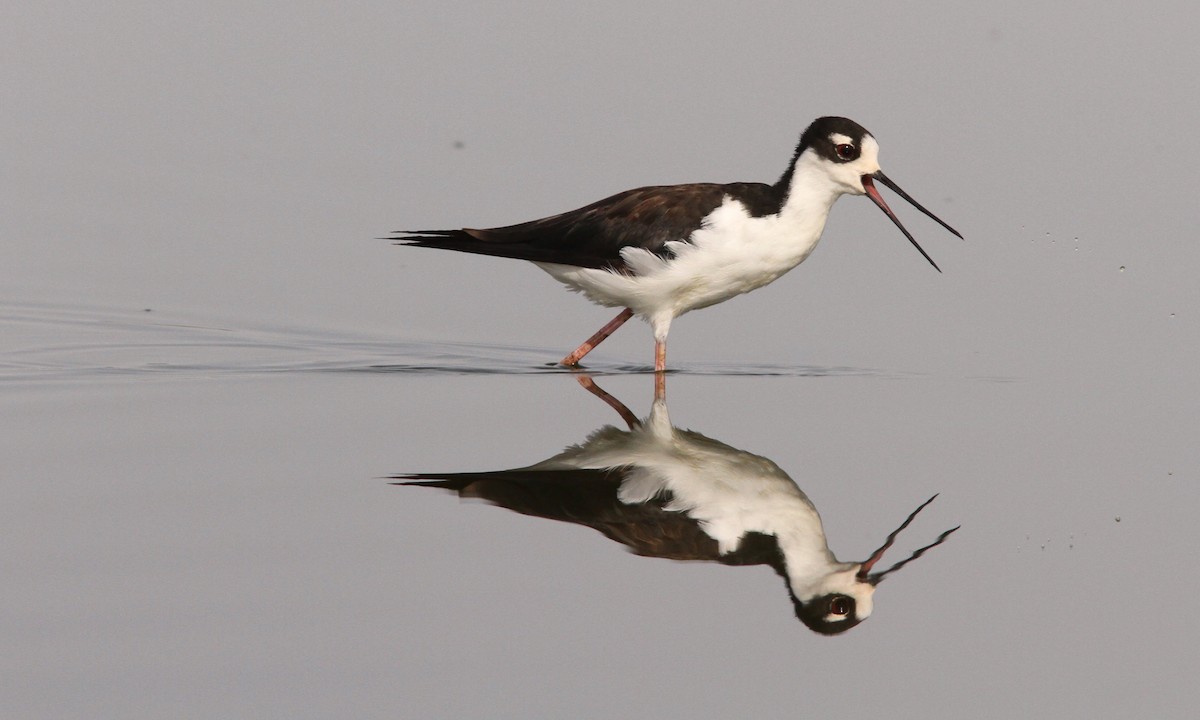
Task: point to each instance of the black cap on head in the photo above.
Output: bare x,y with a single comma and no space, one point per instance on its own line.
816,136
816,613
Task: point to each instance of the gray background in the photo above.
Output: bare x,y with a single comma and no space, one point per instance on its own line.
192,517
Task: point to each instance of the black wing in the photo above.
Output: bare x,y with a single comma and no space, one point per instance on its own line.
593,236
589,498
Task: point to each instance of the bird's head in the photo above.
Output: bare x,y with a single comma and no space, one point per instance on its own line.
844,597
837,603
848,156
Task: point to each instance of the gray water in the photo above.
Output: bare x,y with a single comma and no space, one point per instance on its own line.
209,369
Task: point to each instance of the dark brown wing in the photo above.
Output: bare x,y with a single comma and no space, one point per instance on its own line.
589,498
593,236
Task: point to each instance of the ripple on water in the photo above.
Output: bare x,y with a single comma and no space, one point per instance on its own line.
48,343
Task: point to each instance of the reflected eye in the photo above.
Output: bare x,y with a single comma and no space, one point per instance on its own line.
839,606
844,151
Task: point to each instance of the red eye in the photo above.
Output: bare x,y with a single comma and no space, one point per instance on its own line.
839,605
844,151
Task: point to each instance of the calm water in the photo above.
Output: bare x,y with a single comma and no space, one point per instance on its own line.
200,517
211,372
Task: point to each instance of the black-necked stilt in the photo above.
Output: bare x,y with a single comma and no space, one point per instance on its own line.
661,251
671,493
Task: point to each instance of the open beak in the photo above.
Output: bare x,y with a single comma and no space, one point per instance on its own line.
869,186
864,573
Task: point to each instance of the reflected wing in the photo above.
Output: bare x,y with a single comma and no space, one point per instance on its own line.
589,497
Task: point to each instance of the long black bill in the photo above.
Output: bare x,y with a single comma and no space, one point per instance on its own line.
873,193
864,573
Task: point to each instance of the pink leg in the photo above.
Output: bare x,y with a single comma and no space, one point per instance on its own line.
625,413
660,367
593,341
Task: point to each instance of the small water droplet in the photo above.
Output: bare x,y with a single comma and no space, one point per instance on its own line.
1118,518
1122,269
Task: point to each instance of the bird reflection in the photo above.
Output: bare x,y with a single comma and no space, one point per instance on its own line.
671,493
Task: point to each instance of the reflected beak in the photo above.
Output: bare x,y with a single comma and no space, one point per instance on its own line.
864,572
873,193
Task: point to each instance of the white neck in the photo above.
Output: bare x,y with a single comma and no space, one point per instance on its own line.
806,554
811,193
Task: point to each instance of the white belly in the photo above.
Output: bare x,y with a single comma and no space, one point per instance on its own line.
731,254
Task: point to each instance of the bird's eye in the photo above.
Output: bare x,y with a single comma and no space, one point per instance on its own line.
839,606
845,151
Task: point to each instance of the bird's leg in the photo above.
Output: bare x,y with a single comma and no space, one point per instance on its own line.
626,414
593,341
660,370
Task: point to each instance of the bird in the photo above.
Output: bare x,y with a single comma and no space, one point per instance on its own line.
677,494
661,251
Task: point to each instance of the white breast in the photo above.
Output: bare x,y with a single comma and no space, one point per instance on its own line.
732,253
730,492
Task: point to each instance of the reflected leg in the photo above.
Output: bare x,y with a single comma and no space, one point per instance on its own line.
626,414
